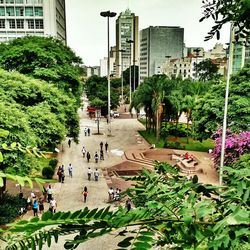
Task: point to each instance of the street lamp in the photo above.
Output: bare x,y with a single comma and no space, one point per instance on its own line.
122,50
108,14
130,85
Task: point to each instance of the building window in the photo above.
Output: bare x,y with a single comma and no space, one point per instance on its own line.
2,24
10,11
31,24
12,24
19,23
2,11
29,11
1,1
38,11
19,11
9,1
39,24
19,1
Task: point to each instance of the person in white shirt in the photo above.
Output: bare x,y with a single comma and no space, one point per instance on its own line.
52,205
89,173
96,174
111,194
70,169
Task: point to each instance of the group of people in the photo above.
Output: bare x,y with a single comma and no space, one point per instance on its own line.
114,194
61,172
86,131
95,174
97,156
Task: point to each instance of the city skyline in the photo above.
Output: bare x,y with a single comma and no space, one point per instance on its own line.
90,40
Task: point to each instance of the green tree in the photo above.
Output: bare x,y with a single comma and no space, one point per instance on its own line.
207,70
45,58
126,76
226,11
208,113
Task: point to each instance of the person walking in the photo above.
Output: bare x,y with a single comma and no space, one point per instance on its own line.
69,142
50,193
83,151
101,146
88,157
89,173
85,131
88,131
35,207
101,155
70,169
106,147
52,205
96,157
85,194
111,194
63,176
59,173
128,205
41,205
96,174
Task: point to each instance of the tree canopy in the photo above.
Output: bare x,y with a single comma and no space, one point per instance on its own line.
207,70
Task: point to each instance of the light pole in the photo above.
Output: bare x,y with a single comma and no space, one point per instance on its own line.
108,14
130,84
229,69
122,50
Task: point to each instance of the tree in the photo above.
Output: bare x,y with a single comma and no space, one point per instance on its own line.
171,212
126,77
207,70
209,110
44,58
222,12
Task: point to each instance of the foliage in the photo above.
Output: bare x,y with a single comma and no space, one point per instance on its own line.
181,130
126,77
44,58
97,87
53,162
224,11
96,102
209,110
171,211
10,208
235,146
48,172
174,145
207,70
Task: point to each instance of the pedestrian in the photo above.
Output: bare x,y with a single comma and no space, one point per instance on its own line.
70,169
96,174
101,145
85,194
106,147
128,205
63,176
50,193
96,157
117,194
101,155
88,156
69,143
111,194
59,174
88,131
85,131
89,173
35,207
52,205
41,205
83,151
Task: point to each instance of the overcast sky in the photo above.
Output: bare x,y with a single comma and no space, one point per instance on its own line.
87,30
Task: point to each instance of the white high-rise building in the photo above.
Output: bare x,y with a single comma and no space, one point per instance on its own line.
32,17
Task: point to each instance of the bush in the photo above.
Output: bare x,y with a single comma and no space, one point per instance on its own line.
170,129
48,172
53,163
10,208
174,145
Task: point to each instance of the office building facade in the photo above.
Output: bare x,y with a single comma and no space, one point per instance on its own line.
19,18
157,44
127,28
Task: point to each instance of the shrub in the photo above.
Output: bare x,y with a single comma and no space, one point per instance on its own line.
174,145
170,129
10,208
53,163
48,172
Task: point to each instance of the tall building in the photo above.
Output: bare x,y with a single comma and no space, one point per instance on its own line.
157,44
241,56
32,17
126,29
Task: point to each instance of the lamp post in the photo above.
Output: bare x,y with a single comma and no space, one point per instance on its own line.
130,84
108,14
122,50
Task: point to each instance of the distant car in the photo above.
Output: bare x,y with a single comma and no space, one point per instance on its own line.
116,114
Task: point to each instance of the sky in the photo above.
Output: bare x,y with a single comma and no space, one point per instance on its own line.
87,30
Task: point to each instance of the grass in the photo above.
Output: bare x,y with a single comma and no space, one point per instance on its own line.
39,164
193,145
